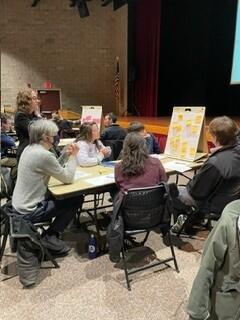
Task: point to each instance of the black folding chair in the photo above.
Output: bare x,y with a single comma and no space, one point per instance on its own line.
145,210
116,147
7,230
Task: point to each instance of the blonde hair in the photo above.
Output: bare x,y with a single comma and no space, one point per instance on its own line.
24,101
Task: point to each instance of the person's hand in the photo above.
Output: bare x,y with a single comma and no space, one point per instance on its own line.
104,151
37,113
72,149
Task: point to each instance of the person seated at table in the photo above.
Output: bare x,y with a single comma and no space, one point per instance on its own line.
137,169
218,181
27,111
112,131
215,292
92,149
7,142
65,126
37,164
151,141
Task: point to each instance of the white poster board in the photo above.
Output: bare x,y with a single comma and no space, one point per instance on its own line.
92,114
186,135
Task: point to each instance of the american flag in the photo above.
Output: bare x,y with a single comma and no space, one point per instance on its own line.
117,82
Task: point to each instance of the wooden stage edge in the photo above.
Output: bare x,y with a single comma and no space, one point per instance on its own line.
160,125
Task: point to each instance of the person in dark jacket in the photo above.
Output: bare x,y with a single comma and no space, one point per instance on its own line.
7,142
27,111
112,131
151,141
218,181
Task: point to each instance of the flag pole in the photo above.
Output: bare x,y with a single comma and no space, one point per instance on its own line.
117,86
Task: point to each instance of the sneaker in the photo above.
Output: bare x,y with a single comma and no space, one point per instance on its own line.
55,245
177,227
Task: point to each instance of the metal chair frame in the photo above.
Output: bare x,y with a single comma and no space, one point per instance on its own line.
130,232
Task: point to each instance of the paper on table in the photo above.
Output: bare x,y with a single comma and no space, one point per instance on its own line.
80,175
98,181
111,175
177,166
159,156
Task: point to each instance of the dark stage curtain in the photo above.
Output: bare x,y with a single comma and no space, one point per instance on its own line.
147,46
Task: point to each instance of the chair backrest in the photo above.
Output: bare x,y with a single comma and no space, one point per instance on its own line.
6,183
143,208
116,146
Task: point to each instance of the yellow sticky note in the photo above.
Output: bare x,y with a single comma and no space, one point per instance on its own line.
192,152
180,117
179,128
184,147
188,122
198,119
194,129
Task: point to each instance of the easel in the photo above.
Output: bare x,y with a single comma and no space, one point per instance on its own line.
186,136
92,114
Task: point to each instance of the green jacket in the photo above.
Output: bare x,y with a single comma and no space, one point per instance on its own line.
215,293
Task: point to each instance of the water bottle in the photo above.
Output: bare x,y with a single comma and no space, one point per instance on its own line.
92,247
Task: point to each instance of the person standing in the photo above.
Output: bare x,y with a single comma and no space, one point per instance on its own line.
27,103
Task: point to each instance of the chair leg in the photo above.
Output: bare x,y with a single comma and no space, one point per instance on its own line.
3,247
99,242
145,239
4,241
172,251
50,257
125,270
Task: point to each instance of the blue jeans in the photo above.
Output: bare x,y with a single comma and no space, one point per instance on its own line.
62,210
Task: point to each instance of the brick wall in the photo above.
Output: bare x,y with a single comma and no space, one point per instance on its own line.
51,42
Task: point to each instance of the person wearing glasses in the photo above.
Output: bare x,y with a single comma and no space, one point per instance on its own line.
27,104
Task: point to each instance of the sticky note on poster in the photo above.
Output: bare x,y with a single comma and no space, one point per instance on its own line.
180,117
192,152
184,147
194,129
198,119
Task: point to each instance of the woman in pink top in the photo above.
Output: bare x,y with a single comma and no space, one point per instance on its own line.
137,169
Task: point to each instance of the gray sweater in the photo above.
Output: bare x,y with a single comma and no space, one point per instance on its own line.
35,168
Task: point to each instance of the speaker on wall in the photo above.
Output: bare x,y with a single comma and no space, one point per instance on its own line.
118,3
82,8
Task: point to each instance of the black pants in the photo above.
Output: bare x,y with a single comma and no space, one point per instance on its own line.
62,210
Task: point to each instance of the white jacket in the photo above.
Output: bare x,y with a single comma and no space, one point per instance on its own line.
89,155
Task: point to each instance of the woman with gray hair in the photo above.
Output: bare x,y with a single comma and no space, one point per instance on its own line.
37,164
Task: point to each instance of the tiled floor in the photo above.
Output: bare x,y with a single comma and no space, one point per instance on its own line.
96,289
